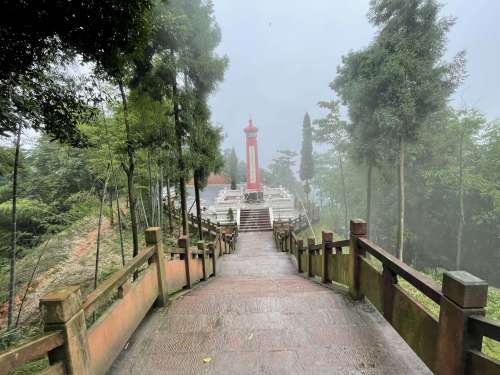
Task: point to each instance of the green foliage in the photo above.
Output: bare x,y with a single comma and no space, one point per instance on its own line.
73,174
231,163
204,150
97,31
32,215
410,79
230,215
432,193
35,91
281,171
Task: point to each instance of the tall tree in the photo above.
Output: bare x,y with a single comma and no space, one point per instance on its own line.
306,171
13,254
466,124
411,80
205,158
281,168
354,86
232,161
184,68
332,130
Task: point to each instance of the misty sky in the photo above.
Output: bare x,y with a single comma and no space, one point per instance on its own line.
284,53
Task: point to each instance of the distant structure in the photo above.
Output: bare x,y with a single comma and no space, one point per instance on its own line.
254,187
253,206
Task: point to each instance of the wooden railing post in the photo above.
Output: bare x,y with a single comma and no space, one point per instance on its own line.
357,230
290,231
201,246
219,238
310,242
153,238
283,240
463,295
212,250
300,251
224,241
327,238
62,311
389,279
183,243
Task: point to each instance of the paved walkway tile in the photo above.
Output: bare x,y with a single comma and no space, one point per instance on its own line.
258,316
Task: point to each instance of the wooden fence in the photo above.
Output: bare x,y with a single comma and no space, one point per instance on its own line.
448,345
85,335
301,222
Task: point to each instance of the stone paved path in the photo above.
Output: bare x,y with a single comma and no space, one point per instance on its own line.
258,316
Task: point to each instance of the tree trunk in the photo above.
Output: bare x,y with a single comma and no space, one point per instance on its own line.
169,208
98,240
401,202
110,202
198,205
344,194
13,252
461,221
146,223
119,215
160,197
151,195
118,212
30,282
306,188
180,160
369,181
130,173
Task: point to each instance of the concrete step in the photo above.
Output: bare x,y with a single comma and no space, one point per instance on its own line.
263,223
255,220
253,216
256,230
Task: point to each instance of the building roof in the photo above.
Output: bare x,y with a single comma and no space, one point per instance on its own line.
215,179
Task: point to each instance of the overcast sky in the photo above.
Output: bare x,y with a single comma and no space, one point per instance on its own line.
284,53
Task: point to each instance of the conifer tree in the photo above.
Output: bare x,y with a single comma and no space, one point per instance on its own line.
306,157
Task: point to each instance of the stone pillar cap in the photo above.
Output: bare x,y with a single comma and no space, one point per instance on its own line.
465,289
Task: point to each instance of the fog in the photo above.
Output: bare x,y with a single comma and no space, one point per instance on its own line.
284,53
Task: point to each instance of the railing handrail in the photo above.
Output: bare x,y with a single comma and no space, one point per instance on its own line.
29,351
341,243
425,285
117,279
456,342
485,327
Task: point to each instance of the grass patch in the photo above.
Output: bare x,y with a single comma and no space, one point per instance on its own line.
32,367
323,224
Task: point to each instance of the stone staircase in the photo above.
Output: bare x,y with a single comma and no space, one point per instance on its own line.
255,220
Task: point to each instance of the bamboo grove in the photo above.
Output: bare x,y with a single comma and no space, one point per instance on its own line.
113,99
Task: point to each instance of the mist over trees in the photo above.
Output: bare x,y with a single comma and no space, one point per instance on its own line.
418,170
406,161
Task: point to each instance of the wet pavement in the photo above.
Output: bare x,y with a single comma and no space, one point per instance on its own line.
258,316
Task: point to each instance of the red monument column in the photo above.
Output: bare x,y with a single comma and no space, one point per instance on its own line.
253,175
